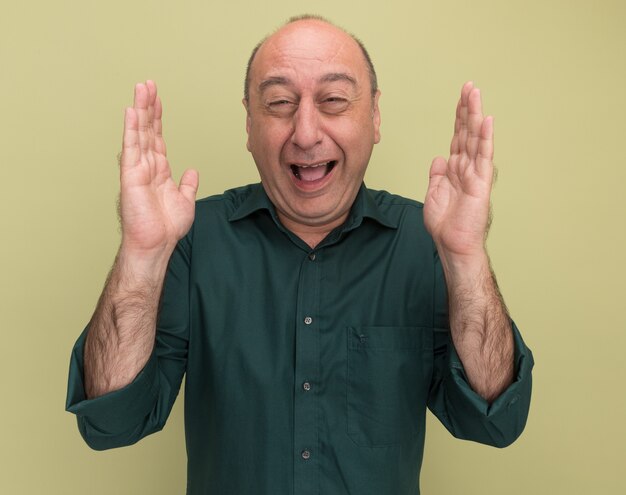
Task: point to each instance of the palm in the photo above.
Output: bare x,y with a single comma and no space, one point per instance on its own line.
155,211
456,208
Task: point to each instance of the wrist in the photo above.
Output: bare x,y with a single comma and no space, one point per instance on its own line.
149,265
464,269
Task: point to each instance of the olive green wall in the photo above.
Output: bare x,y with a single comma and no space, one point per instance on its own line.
552,72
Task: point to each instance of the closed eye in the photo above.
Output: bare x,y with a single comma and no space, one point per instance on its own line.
334,104
277,103
281,107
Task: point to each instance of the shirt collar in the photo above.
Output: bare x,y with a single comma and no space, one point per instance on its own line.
364,206
254,201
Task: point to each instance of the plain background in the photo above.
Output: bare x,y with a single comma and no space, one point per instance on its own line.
552,73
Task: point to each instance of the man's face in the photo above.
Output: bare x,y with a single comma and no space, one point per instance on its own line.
311,122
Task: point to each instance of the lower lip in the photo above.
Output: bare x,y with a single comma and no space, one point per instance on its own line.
312,185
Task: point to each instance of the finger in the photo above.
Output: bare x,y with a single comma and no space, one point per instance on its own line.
189,184
141,108
474,122
466,90
152,95
454,145
463,111
484,160
130,140
157,126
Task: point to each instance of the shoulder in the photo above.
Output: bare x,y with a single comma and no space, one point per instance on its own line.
214,213
226,203
399,210
385,199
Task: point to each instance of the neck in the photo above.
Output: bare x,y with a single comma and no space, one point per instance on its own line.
311,234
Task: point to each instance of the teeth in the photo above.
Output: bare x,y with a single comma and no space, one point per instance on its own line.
323,164
295,169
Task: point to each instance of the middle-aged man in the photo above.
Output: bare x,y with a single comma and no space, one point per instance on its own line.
315,319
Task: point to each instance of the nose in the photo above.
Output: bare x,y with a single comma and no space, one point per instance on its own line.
307,131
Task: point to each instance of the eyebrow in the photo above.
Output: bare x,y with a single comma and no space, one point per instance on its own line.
273,81
339,76
284,81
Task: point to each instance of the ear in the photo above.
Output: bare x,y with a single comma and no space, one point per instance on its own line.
376,117
248,123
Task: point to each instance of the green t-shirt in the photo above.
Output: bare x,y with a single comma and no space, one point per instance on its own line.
308,371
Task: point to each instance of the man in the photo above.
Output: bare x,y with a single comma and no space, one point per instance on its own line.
315,319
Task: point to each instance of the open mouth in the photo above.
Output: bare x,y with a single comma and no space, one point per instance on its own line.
313,172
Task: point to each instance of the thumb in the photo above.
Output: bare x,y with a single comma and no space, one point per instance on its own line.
438,171
438,167
189,184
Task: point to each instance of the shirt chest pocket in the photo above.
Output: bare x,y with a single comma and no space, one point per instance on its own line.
388,378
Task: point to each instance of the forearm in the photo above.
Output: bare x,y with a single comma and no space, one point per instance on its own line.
479,323
122,330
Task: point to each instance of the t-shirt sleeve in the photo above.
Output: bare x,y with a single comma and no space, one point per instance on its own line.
452,400
126,415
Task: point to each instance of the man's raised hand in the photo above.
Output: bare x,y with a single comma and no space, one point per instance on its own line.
456,213
155,212
456,208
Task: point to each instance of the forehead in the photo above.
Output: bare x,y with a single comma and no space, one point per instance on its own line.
305,51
